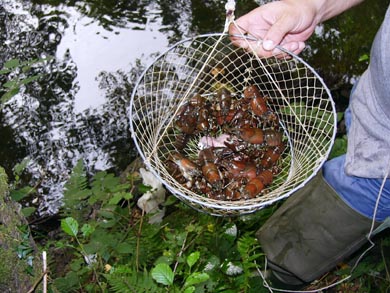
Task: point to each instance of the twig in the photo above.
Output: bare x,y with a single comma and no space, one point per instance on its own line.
37,282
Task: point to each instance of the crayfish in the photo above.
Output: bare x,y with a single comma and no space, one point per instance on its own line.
240,144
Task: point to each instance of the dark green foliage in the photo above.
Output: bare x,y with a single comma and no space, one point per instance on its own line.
110,246
100,198
116,249
18,75
124,279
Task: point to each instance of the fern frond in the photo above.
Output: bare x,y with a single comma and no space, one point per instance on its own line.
75,192
124,279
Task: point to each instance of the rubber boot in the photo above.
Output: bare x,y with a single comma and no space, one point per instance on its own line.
312,232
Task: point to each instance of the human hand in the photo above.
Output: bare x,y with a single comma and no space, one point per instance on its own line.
285,23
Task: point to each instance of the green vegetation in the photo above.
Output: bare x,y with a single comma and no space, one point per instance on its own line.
111,245
105,243
19,74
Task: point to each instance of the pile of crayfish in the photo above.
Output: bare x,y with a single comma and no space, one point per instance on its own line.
239,145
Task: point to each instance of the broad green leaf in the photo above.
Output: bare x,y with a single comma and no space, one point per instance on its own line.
163,274
4,71
364,57
26,68
20,167
19,194
127,195
189,289
117,197
10,84
107,213
8,95
12,63
196,278
87,230
28,211
193,258
144,188
30,79
70,226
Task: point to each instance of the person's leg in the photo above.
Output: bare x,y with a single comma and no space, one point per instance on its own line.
311,233
323,222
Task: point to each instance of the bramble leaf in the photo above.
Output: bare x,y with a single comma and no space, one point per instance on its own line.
163,274
193,258
70,226
196,278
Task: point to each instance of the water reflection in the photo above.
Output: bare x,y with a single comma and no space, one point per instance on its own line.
95,49
78,109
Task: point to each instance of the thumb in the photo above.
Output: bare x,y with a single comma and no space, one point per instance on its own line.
276,33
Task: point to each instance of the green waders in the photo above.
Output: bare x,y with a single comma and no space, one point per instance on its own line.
311,233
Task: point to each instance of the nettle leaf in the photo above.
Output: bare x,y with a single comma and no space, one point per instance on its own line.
193,258
163,274
196,278
70,226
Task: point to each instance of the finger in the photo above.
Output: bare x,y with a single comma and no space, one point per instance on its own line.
294,47
277,32
291,47
235,35
239,41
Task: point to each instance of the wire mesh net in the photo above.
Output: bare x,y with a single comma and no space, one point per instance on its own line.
202,66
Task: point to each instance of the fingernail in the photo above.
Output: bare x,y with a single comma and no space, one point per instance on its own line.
268,45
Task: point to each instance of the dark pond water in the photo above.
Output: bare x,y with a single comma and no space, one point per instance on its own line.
78,107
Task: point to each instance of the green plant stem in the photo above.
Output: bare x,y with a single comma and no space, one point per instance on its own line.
182,249
84,253
139,240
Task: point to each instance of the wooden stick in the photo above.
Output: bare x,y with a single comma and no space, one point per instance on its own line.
44,272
